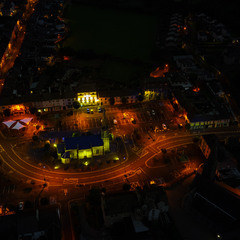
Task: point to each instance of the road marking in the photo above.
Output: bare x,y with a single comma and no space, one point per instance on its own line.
134,185
1,148
70,181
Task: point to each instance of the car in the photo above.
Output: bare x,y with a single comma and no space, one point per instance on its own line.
20,206
99,109
91,111
133,120
153,112
180,125
70,113
164,126
88,111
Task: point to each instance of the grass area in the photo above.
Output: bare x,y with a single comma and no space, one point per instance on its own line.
118,33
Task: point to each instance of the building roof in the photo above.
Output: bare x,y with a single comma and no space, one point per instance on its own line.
218,204
83,142
202,105
16,225
52,135
120,203
210,139
118,93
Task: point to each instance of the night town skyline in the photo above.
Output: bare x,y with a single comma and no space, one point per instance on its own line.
119,119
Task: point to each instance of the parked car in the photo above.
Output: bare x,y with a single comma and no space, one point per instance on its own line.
133,120
20,206
164,126
153,112
88,111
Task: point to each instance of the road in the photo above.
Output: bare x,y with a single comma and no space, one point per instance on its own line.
137,170
14,46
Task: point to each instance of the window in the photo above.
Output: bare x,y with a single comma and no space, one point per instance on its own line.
97,151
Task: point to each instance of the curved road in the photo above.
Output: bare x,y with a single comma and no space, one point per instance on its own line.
56,178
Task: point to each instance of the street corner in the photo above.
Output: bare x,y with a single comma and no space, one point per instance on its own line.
155,161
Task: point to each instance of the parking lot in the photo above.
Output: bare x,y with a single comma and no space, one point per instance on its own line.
147,116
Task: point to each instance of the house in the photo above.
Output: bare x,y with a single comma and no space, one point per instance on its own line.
43,223
130,95
218,208
179,80
185,62
115,207
206,144
201,108
202,36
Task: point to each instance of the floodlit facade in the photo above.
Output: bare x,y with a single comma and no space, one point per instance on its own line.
83,147
87,98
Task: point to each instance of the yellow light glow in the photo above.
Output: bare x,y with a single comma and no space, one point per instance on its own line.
17,107
87,98
55,145
86,163
152,182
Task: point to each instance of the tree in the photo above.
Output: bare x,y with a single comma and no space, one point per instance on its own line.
33,110
44,201
76,134
7,112
94,196
187,126
76,104
111,100
164,150
35,138
196,139
124,100
140,97
47,146
28,204
126,187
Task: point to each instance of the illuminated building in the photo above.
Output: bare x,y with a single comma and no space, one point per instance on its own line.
117,94
87,98
83,147
201,109
18,109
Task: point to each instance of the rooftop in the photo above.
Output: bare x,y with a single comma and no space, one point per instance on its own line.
83,142
120,203
201,105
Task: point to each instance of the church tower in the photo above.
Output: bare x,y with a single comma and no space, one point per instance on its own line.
105,134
